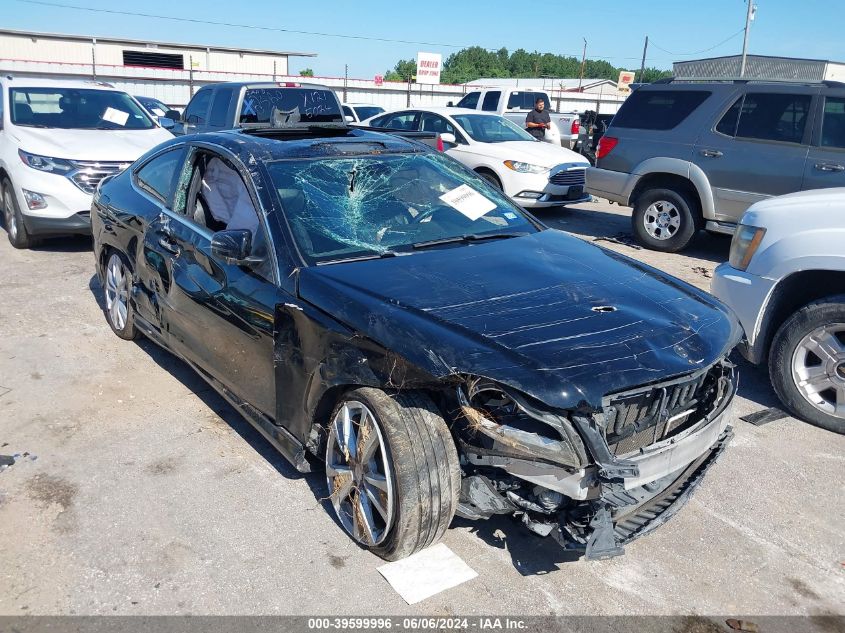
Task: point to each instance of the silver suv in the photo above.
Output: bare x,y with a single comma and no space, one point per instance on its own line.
690,155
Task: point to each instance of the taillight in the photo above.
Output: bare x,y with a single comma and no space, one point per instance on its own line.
576,127
606,145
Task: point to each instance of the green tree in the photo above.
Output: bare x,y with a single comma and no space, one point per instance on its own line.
404,68
307,72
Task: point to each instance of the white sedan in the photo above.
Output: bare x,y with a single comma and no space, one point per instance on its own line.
532,173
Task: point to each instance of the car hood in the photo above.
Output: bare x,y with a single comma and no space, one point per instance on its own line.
101,145
536,153
562,320
829,202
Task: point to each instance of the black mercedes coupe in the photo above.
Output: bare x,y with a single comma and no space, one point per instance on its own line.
373,306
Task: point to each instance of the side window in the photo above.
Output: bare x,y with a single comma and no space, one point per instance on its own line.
220,107
774,117
347,111
436,123
491,101
402,121
658,109
158,176
833,123
379,121
727,125
197,109
470,100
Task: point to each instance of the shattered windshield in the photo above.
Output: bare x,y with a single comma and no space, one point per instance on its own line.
376,205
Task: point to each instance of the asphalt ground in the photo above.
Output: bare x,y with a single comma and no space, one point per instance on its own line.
140,491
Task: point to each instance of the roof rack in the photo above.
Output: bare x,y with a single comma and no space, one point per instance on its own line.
744,80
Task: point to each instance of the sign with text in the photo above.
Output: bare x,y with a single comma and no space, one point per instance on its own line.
379,80
428,68
626,78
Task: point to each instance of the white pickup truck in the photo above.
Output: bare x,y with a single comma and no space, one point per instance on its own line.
516,104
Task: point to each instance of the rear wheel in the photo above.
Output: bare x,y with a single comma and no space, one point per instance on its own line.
807,363
19,237
392,471
118,284
665,220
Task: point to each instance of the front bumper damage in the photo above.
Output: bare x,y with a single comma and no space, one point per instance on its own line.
595,482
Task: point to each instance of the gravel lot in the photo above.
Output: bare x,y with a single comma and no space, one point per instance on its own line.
144,493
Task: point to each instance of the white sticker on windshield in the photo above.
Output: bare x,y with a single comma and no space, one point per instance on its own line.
468,201
118,117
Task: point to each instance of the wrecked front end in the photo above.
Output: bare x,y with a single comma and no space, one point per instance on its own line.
593,480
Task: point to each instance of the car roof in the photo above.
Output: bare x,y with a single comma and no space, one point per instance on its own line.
355,103
268,145
266,84
38,82
449,111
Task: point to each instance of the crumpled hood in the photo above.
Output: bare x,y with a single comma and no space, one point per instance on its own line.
103,145
564,321
543,154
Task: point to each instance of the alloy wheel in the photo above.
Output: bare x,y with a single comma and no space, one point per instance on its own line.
117,291
662,220
9,214
818,369
360,481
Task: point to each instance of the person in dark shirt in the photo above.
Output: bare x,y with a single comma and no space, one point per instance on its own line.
538,120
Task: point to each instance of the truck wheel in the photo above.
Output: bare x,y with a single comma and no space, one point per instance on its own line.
807,363
19,237
665,220
392,471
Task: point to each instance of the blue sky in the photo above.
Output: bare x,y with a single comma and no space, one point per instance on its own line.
614,29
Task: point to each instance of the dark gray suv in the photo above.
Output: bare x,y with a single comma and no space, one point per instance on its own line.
691,155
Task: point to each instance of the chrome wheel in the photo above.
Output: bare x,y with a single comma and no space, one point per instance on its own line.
358,474
117,291
662,220
9,214
818,369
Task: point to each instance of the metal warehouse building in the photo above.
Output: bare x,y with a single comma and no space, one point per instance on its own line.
761,67
170,72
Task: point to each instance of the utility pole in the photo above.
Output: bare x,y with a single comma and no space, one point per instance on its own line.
749,17
583,61
345,80
642,66
191,74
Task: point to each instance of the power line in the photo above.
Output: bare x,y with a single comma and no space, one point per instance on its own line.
706,50
285,30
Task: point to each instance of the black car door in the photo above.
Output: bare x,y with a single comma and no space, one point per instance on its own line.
219,315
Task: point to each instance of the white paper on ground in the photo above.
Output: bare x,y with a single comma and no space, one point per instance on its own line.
468,201
426,573
119,117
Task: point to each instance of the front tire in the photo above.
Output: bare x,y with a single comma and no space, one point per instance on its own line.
392,471
490,177
807,363
665,220
117,288
19,237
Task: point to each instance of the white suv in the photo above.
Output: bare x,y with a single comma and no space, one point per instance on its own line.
58,140
786,282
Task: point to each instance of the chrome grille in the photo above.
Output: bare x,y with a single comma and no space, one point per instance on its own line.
569,177
89,173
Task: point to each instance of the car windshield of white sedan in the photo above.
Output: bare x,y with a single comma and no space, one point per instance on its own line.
77,109
486,128
386,204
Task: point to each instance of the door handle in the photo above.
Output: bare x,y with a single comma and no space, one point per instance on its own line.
829,167
169,246
711,153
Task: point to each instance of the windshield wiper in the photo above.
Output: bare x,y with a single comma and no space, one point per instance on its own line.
467,238
358,258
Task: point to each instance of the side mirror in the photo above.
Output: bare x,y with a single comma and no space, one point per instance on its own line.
450,104
349,118
166,122
233,247
448,137
173,115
